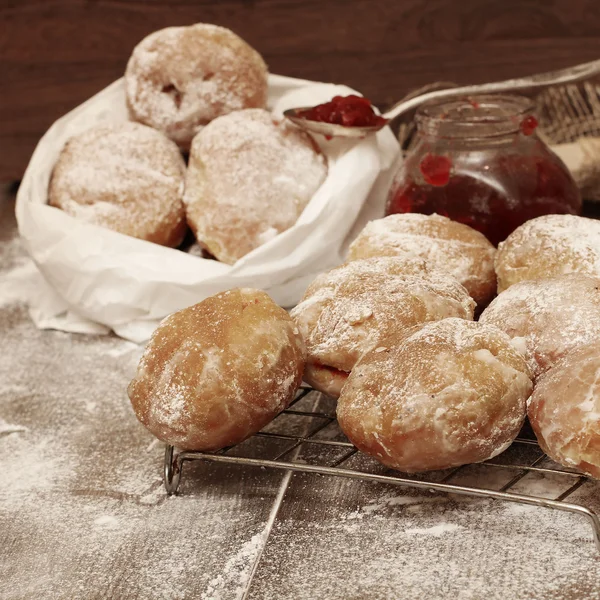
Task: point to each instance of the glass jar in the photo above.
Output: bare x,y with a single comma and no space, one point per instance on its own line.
479,161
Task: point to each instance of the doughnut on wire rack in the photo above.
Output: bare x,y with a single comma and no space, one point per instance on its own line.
305,438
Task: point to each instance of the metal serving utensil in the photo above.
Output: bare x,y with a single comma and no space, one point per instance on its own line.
562,76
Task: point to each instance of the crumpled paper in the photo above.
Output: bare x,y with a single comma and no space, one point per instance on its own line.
95,280
582,158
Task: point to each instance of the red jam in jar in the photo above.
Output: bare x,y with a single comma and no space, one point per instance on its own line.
351,111
481,163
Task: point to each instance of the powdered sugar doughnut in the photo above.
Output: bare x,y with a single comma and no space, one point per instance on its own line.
248,180
449,246
547,246
123,176
451,393
179,79
564,410
548,317
368,303
217,372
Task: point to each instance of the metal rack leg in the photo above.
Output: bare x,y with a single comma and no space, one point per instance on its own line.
172,471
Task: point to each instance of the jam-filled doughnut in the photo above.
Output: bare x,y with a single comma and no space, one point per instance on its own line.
249,178
450,393
217,372
358,306
564,410
546,318
548,246
179,79
449,246
123,176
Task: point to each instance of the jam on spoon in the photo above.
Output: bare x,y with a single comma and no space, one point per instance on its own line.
350,111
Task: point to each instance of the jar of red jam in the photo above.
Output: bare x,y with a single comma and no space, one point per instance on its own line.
479,161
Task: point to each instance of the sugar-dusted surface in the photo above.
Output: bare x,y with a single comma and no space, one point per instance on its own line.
336,539
356,307
449,246
547,246
546,318
245,159
83,514
178,79
452,393
123,176
565,410
218,371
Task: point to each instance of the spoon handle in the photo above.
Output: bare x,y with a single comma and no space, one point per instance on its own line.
561,76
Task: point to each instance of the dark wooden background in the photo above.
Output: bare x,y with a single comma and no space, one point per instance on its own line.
56,53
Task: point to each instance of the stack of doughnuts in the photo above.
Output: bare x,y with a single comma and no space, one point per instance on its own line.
420,385
390,334
547,310
199,89
355,308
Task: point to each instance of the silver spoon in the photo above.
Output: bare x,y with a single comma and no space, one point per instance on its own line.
559,77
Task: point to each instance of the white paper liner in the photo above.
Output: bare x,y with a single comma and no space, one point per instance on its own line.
97,280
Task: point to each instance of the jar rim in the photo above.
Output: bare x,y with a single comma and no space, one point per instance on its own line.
479,115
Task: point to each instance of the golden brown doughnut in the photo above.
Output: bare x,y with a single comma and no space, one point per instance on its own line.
452,392
123,176
356,307
546,318
564,410
449,246
219,371
548,246
249,178
179,79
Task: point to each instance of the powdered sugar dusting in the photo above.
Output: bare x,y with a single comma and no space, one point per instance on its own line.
231,583
123,176
218,371
179,79
355,307
449,246
79,492
423,405
436,530
548,246
549,316
246,160
6,428
564,410
467,549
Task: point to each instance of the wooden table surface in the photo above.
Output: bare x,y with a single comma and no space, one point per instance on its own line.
83,514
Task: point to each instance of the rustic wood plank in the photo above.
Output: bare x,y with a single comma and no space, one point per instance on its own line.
55,54
339,539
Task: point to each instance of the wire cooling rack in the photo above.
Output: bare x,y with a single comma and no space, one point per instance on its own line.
305,438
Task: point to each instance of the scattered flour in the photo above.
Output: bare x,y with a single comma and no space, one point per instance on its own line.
17,284
231,582
6,428
107,521
436,530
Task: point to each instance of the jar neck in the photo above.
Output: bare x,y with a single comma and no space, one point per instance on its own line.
486,120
